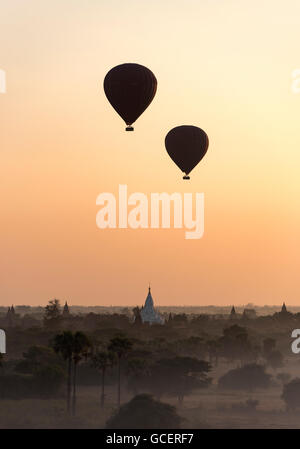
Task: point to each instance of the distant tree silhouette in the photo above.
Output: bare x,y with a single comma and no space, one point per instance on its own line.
291,394
81,348
52,313
144,412
179,319
268,346
248,377
73,347
101,361
137,372
213,347
63,344
275,359
137,316
48,379
235,345
192,346
36,357
121,346
178,376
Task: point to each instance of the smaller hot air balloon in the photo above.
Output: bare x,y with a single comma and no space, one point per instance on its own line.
186,145
130,88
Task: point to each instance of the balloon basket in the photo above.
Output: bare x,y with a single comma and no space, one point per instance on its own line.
129,128
186,177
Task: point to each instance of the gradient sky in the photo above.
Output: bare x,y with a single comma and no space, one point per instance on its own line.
223,65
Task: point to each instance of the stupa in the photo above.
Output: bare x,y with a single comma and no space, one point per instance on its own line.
148,312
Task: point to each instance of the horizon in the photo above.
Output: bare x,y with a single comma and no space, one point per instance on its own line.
122,306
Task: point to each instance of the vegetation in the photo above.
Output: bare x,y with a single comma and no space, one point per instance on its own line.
202,365
291,394
73,348
121,346
103,360
144,412
248,377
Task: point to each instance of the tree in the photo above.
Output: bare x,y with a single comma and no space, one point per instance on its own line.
81,347
63,344
178,376
144,412
137,316
291,394
35,358
48,379
268,346
137,372
213,347
275,359
45,368
101,361
272,356
121,346
235,344
192,346
180,318
68,345
248,377
52,313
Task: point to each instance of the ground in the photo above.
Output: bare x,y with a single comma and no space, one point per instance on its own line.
209,408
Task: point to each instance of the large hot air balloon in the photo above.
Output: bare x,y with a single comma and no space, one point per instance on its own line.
130,88
186,146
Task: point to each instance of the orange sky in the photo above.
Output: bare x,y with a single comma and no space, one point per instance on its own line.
222,65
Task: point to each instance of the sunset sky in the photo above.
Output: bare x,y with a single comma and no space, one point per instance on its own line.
223,65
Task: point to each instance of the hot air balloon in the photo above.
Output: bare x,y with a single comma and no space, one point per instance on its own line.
130,88
186,146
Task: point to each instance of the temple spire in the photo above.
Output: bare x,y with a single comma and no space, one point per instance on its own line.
283,308
148,312
66,310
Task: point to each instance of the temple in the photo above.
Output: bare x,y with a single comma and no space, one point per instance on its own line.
11,317
284,309
148,312
233,314
66,310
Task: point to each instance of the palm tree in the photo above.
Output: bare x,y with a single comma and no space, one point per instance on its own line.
72,347
120,346
101,361
63,344
81,347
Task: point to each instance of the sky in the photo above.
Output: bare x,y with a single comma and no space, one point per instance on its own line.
223,65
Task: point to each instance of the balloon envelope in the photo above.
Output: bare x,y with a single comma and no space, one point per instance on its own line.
130,88
186,146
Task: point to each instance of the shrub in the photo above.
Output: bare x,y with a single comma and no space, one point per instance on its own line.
144,412
248,377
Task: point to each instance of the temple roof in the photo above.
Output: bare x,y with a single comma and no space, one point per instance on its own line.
149,299
148,312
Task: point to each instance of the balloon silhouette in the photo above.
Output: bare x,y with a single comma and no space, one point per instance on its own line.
130,88
186,146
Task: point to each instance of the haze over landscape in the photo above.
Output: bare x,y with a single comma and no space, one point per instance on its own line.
62,144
